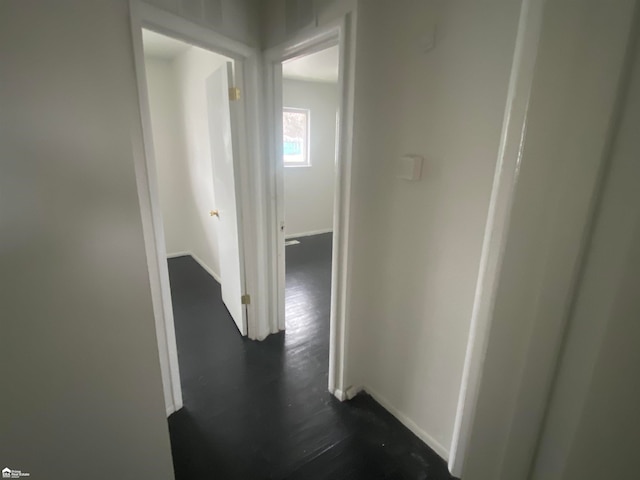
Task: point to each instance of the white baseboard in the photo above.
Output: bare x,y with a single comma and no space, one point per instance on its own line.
215,276
340,395
410,424
347,394
178,254
173,408
207,268
308,234
353,391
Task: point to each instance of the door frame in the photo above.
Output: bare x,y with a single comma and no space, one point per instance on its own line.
540,305
339,32
501,201
249,178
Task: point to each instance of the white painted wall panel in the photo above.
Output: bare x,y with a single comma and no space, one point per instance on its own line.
82,395
236,19
592,428
561,158
169,149
448,106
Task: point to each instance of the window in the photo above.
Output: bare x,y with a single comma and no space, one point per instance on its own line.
295,126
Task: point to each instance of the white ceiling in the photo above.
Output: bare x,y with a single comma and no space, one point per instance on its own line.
159,46
317,67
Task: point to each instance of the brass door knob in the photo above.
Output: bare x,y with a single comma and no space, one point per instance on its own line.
214,213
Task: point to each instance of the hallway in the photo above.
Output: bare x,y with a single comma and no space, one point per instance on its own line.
261,410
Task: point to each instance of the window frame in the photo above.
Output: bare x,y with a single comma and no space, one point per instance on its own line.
307,147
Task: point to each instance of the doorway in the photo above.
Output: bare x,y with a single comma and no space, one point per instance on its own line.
189,182
194,138
336,38
309,112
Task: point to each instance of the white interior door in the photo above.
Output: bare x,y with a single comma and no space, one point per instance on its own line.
223,146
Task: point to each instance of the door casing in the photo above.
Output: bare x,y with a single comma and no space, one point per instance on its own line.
250,180
340,32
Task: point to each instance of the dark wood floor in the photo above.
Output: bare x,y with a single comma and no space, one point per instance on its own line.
261,410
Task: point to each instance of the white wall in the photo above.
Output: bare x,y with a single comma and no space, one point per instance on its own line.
179,118
447,105
308,191
416,246
559,165
192,68
169,150
592,428
234,19
82,391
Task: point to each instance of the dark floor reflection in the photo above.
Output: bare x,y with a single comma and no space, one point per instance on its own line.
261,410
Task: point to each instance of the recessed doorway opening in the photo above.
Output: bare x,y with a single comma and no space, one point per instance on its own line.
310,148
309,113
190,180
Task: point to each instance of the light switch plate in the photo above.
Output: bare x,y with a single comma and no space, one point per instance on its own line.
409,167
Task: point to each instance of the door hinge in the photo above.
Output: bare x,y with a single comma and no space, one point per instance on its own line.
245,299
234,94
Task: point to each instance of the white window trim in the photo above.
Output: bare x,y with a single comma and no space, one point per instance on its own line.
307,113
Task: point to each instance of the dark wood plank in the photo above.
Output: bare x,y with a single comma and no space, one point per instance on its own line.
261,410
